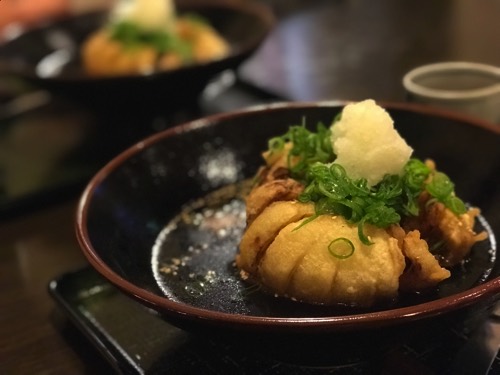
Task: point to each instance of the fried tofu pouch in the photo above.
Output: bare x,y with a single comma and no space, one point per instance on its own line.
295,262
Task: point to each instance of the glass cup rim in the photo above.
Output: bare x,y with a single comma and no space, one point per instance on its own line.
410,84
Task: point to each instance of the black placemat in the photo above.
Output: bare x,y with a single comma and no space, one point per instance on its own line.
135,340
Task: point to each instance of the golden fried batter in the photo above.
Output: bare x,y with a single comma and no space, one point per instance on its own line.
423,269
104,56
273,183
455,233
205,41
262,231
272,191
451,237
298,263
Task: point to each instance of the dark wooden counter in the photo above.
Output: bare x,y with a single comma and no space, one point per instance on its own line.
35,338
360,49
332,49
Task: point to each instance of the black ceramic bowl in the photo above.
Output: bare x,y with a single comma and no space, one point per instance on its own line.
48,57
130,227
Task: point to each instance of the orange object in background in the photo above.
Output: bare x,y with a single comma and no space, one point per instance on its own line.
27,12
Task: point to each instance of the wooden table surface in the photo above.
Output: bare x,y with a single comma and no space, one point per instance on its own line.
330,49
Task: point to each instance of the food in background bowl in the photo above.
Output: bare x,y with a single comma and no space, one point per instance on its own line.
145,36
55,62
345,215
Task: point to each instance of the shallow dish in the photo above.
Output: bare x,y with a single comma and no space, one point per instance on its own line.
130,227
49,57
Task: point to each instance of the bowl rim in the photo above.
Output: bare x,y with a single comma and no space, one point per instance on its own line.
357,321
262,12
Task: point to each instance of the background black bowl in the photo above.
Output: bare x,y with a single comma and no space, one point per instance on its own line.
48,57
129,202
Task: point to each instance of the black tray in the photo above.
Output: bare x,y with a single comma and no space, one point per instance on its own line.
135,340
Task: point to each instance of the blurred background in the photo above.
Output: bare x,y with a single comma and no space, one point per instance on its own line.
317,50
54,136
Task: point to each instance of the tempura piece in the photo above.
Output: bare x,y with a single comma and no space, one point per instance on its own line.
423,271
452,235
206,43
449,236
269,192
273,183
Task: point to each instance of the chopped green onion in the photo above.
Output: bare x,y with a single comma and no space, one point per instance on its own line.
308,147
132,36
341,248
455,204
276,144
440,187
306,221
361,234
326,184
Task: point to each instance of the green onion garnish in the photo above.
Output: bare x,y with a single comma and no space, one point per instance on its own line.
132,36
311,161
341,248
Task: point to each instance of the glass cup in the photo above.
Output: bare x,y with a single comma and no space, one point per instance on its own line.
467,87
